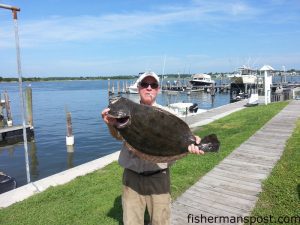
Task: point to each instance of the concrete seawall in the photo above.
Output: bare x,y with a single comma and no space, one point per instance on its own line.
21,193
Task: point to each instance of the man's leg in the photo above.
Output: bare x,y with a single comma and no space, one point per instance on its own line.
159,208
133,202
134,206
158,198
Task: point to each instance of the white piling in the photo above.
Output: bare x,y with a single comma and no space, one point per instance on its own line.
268,83
9,123
70,136
70,140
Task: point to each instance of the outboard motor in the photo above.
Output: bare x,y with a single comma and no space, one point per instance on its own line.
193,108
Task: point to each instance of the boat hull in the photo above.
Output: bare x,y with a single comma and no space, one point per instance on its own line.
7,183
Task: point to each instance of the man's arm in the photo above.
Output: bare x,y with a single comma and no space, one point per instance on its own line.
109,122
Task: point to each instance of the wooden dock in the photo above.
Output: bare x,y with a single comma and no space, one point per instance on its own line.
231,189
214,114
14,134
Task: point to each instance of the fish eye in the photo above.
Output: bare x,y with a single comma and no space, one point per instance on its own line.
113,100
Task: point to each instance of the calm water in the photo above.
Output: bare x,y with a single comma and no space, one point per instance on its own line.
85,100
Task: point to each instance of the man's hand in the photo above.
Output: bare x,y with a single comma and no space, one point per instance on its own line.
194,149
106,118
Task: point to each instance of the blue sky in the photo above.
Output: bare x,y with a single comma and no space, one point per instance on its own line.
99,38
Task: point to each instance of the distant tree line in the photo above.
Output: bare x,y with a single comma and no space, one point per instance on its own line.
119,77
36,79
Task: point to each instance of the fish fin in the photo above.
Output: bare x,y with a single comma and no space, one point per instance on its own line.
155,159
210,143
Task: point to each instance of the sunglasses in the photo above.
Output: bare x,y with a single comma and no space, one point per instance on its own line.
146,85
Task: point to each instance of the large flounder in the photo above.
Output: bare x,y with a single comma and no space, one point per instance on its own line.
153,133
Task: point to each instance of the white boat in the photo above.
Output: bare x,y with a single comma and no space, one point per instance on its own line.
183,109
189,90
243,83
133,89
244,75
201,79
7,183
253,100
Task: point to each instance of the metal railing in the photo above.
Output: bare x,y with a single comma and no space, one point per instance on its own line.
284,96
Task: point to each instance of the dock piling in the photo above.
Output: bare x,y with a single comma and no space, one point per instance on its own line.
8,110
118,87
29,106
123,88
70,136
113,88
1,111
108,88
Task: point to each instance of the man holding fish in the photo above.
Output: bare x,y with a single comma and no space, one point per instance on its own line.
145,183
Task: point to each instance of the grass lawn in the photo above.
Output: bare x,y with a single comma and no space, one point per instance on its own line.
95,198
281,190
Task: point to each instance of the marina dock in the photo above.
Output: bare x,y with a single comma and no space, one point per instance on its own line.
231,188
214,114
14,134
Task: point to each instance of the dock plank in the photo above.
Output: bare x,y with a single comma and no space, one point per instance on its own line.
219,182
13,128
250,175
208,202
235,180
226,191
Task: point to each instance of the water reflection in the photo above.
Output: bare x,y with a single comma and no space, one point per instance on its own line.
212,101
70,156
70,160
70,148
34,163
10,149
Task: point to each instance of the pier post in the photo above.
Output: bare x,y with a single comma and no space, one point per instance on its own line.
70,136
1,112
213,90
108,86
8,110
267,82
29,105
113,88
118,87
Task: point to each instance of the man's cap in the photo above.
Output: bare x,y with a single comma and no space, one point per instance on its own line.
148,74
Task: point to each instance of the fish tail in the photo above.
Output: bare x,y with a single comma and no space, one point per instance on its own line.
209,143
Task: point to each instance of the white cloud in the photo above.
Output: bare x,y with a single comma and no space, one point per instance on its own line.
119,26
50,36
239,9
